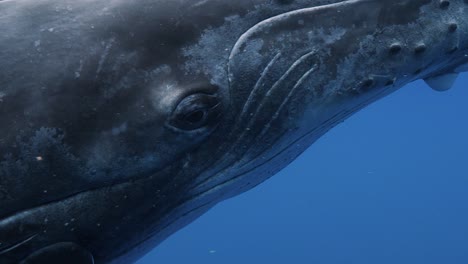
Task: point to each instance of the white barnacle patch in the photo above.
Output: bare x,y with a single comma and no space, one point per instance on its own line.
165,97
253,48
352,68
210,55
202,59
327,37
166,94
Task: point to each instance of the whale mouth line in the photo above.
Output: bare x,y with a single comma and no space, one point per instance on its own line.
333,120
4,250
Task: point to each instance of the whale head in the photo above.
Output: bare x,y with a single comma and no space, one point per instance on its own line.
123,121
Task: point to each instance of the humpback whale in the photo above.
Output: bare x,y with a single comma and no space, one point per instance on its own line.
123,121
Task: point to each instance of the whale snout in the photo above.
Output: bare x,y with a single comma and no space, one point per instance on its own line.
299,73
355,47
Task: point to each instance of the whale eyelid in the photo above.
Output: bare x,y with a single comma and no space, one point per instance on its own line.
194,112
194,89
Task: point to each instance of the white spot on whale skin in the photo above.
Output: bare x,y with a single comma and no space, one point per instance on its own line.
37,43
78,71
442,82
197,4
2,95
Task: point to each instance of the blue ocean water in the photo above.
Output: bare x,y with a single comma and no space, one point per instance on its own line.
389,185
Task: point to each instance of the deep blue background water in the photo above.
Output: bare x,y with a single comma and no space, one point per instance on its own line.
389,185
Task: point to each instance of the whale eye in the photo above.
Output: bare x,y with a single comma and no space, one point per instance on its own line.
196,111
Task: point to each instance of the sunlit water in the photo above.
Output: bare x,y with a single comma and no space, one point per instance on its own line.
388,186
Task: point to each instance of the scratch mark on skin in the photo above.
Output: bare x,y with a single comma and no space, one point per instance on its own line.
80,68
18,244
104,56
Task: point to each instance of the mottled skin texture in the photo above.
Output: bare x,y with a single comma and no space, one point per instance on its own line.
122,121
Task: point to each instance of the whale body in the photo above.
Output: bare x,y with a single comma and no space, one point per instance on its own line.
124,120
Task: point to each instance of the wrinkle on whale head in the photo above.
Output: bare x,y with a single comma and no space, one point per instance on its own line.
327,65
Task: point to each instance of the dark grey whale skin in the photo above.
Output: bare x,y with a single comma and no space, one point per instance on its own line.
124,120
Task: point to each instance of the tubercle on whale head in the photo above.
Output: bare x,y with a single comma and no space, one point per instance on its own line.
443,54
456,61
434,47
302,72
